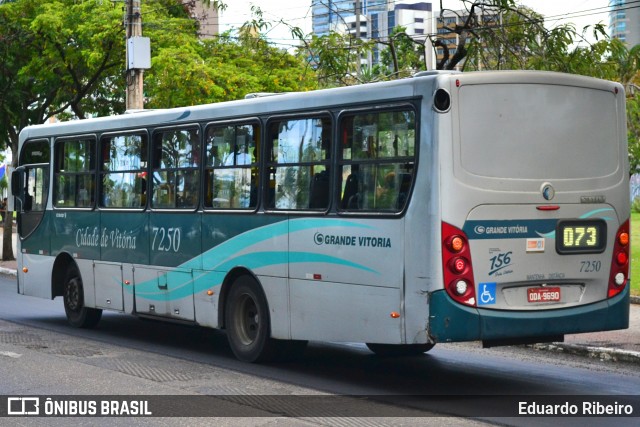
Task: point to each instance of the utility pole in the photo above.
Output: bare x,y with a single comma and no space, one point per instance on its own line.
358,10
134,75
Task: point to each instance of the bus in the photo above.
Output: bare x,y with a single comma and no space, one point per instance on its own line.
445,207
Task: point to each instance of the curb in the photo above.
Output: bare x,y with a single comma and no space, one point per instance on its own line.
8,271
602,353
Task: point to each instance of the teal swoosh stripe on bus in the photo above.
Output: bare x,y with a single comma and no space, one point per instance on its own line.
223,251
597,211
224,256
149,290
266,259
552,234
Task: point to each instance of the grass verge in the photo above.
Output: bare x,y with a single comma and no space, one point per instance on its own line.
635,253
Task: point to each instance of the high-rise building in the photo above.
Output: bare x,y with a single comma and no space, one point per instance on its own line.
334,15
376,21
624,21
207,16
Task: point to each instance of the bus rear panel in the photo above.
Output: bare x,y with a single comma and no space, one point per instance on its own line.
535,208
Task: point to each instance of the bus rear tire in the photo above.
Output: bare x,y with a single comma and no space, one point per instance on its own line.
398,350
247,322
78,315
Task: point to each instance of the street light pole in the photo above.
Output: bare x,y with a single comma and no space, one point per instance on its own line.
134,76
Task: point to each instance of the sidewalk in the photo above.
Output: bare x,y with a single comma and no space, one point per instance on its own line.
9,267
621,345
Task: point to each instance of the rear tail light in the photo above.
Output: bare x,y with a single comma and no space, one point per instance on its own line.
620,262
456,264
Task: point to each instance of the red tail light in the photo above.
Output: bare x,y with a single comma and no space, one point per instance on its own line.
456,265
620,262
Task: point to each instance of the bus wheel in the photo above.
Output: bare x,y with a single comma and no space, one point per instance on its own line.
247,322
77,314
397,350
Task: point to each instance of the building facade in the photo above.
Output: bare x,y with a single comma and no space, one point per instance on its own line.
624,21
207,17
335,15
376,21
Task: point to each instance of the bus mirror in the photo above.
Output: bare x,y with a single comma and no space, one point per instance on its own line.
15,183
16,189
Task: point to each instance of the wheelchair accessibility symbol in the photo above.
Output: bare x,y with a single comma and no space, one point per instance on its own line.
487,293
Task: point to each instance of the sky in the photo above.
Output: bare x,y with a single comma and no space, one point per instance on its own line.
579,12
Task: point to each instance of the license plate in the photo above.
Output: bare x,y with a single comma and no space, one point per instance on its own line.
543,294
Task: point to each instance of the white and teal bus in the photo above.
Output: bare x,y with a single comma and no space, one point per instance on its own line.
447,207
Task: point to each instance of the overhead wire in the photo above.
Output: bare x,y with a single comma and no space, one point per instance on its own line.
287,42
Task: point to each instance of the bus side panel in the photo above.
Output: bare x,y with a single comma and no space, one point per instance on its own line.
365,252
206,306
277,294
34,255
346,271
85,268
124,237
164,292
77,233
37,281
175,239
109,285
422,231
344,312
256,243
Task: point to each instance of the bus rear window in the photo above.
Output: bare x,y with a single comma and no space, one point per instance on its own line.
538,131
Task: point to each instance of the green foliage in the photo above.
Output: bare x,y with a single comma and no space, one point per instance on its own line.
633,132
59,57
335,58
635,254
403,56
66,58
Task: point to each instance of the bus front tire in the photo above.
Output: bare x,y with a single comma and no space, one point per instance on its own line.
247,322
398,350
78,315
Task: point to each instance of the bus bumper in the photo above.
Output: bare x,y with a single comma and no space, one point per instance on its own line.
451,322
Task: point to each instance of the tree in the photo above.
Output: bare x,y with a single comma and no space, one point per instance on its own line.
490,34
334,57
187,71
66,59
633,132
404,55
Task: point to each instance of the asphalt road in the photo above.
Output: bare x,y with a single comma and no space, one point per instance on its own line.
457,384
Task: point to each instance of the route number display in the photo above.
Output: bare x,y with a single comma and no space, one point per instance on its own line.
581,236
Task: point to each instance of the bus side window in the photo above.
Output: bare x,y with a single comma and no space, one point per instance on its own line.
123,180
377,161
350,194
319,196
175,171
231,167
74,173
299,174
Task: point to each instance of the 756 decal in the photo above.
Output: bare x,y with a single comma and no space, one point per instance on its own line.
500,261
